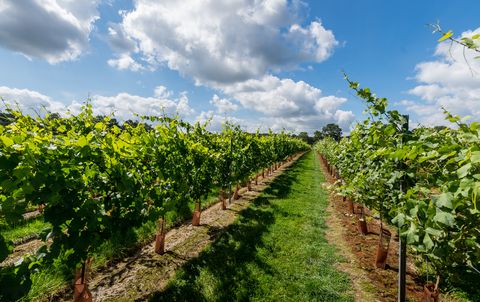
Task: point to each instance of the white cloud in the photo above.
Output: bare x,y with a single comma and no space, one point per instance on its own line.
234,47
344,118
223,105
285,102
53,30
275,97
216,121
452,81
29,101
328,104
123,105
125,62
308,123
222,42
162,92
119,41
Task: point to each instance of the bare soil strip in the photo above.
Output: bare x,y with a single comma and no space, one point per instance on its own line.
31,215
28,247
370,283
136,277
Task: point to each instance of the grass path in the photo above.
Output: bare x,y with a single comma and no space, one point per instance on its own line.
275,251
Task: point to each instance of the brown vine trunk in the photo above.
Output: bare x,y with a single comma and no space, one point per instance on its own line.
263,173
196,214
362,226
382,249
256,180
41,207
223,199
160,237
249,185
362,223
236,196
81,293
431,292
350,206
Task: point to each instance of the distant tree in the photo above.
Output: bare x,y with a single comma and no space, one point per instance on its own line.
333,131
317,135
54,116
112,122
304,136
131,123
6,118
439,128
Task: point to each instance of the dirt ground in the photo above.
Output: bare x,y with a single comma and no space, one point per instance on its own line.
136,277
20,250
27,245
370,283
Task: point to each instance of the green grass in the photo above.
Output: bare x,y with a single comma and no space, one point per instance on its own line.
30,228
275,251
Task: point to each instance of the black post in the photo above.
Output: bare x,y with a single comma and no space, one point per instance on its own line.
402,247
230,174
402,268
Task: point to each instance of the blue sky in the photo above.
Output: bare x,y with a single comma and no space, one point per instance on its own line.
269,64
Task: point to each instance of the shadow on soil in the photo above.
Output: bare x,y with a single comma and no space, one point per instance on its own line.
228,258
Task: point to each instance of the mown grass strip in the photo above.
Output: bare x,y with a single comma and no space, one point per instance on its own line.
29,230
275,251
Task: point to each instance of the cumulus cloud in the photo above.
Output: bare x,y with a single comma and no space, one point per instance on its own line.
163,101
451,81
344,118
234,47
215,122
223,105
427,114
53,30
285,102
29,101
119,41
125,62
222,42
123,105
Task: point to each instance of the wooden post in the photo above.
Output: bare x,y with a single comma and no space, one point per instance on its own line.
81,293
222,199
196,214
160,237
402,247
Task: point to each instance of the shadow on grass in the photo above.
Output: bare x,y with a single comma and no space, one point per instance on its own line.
282,185
222,272
226,260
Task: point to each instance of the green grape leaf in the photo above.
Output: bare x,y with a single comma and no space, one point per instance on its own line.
427,241
6,141
445,218
433,232
475,158
463,171
446,36
445,200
